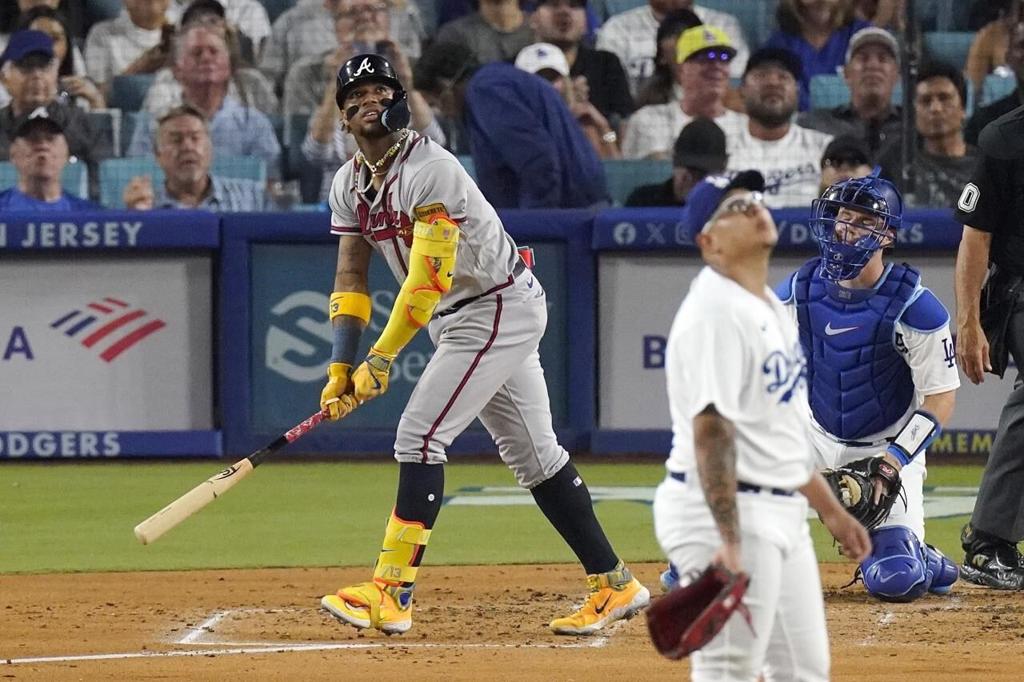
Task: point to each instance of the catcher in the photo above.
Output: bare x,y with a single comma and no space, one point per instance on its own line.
882,379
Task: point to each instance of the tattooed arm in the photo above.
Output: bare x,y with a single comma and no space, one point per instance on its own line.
715,442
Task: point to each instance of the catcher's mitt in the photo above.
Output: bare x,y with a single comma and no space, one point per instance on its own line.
687,618
854,485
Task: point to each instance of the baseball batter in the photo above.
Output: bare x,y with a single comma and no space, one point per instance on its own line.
880,367
736,388
409,200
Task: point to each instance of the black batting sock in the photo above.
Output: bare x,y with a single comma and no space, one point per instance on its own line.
420,492
565,501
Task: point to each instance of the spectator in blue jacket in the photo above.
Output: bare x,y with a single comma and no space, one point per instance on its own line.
527,147
39,152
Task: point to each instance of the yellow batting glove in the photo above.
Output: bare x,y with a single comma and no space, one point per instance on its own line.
371,378
338,384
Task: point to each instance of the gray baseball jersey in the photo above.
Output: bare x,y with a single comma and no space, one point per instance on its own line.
486,328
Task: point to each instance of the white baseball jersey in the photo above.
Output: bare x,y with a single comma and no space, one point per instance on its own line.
740,353
632,37
424,181
791,165
486,328
652,130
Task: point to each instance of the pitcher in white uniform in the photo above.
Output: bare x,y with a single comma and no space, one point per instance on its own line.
409,200
741,472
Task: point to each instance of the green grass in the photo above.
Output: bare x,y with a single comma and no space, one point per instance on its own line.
73,517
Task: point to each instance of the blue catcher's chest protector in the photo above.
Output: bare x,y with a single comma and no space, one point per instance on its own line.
858,383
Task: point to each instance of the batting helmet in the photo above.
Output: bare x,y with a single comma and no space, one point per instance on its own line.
373,67
846,246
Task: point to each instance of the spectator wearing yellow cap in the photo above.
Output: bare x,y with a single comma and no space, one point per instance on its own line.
632,36
703,56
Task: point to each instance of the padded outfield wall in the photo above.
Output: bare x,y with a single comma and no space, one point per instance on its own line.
187,334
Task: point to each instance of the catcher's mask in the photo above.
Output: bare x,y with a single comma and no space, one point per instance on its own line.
373,67
847,241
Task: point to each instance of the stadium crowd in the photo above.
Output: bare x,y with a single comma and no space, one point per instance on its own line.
229,105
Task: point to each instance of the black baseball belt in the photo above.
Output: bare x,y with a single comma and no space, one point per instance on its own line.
741,486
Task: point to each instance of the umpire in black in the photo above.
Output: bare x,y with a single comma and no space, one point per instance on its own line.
990,328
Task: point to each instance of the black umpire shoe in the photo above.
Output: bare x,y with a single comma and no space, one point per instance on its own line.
990,561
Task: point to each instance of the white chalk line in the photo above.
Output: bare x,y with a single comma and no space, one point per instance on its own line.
194,636
269,648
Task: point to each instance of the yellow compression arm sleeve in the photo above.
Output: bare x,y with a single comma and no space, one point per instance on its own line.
431,264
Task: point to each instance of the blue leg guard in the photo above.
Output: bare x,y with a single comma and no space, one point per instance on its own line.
670,578
897,569
944,572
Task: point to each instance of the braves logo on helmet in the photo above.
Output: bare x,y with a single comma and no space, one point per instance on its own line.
364,67
373,67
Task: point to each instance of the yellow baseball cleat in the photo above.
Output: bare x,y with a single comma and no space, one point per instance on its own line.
368,605
614,596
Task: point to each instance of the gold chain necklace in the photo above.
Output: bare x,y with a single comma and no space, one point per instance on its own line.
377,167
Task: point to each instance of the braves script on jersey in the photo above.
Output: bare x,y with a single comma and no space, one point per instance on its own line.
486,364
425,181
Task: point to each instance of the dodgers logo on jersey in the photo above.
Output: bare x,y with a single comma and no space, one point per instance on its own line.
364,67
785,372
949,352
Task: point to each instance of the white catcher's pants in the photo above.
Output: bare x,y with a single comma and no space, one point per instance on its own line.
790,641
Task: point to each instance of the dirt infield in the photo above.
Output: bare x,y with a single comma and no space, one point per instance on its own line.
471,623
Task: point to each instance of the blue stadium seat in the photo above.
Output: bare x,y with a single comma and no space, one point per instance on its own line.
74,179
828,91
467,162
948,46
276,8
756,18
129,122
613,7
127,93
996,87
106,124
625,175
101,10
115,173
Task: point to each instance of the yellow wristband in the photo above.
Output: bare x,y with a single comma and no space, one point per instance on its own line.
351,303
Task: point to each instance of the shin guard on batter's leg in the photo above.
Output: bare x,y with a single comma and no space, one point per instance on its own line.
385,603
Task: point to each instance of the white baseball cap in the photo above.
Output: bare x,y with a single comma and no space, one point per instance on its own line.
540,56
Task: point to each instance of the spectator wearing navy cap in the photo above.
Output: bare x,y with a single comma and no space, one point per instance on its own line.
789,155
699,150
845,157
28,69
39,153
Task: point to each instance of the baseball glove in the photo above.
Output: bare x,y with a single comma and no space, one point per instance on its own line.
854,485
689,617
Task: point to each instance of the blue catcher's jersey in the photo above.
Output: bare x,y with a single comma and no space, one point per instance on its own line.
858,382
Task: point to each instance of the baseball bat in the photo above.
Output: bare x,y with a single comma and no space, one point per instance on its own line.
209,490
